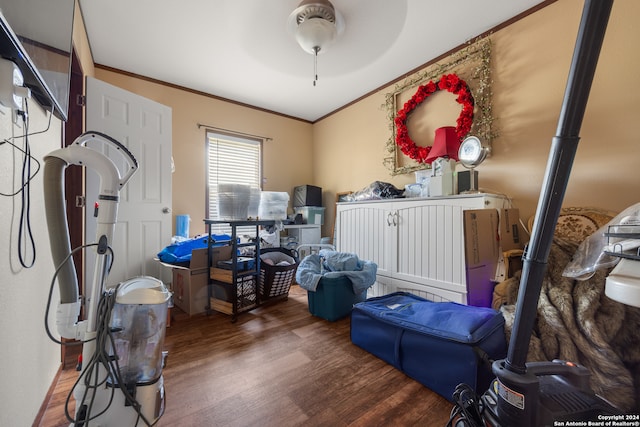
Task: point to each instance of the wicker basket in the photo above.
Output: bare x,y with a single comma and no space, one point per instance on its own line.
275,280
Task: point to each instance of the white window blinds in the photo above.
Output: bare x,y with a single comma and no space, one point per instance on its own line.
231,159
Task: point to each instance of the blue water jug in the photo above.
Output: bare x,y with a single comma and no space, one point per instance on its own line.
182,225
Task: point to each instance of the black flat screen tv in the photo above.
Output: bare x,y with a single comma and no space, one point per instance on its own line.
37,36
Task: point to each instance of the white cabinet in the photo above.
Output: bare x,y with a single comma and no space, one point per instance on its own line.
366,229
305,234
417,243
299,234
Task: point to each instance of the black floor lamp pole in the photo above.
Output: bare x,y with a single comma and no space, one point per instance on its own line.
593,24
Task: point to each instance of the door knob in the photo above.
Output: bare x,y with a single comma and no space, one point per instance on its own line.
166,210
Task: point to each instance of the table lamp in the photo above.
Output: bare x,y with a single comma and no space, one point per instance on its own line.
443,156
445,144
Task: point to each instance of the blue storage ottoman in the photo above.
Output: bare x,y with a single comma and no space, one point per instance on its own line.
334,298
439,344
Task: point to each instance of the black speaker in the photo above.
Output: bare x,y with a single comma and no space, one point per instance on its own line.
467,180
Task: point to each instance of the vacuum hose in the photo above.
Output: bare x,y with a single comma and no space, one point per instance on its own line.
56,213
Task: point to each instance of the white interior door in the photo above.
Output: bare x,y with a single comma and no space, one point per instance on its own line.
144,220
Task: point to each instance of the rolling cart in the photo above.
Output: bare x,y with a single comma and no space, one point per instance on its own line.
233,286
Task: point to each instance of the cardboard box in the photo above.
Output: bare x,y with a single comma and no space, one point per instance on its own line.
481,237
190,290
441,185
512,233
481,254
513,238
189,285
198,259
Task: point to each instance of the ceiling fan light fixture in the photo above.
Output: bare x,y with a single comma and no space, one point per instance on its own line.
315,24
315,35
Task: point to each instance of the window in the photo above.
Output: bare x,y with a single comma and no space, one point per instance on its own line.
231,159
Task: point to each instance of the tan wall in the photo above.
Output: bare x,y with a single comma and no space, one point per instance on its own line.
530,66
344,152
286,158
26,288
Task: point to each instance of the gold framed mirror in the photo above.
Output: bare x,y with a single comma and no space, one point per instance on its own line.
472,63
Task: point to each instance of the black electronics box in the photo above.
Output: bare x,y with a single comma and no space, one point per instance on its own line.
467,181
307,195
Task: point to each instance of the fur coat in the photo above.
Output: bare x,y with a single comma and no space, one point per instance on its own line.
577,322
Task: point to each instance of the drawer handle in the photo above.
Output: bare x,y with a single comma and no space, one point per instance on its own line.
392,218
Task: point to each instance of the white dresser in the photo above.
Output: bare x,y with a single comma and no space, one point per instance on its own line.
418,243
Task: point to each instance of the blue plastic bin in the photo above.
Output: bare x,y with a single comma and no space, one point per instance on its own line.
333,298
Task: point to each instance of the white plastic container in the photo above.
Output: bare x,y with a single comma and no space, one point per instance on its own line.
233,201
139,320
273,205
254,203
311,214
412,190
423,175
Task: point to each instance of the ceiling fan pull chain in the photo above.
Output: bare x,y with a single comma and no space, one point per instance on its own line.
315,65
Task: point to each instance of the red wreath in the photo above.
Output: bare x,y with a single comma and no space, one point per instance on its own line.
449,82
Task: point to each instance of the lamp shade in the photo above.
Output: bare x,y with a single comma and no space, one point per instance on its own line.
445,144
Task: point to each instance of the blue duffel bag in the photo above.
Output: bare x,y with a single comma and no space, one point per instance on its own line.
439,344
180,253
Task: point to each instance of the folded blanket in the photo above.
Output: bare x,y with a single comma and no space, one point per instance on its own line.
332,264
577,322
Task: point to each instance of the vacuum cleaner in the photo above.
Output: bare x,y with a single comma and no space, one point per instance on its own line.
555,393
120,381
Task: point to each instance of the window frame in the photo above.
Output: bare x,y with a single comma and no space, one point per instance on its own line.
230,138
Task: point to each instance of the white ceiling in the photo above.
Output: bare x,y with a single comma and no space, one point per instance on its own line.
241,49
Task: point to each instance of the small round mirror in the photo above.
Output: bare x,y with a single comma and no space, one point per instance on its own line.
471,152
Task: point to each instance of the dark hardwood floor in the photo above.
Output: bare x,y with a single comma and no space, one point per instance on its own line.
276,366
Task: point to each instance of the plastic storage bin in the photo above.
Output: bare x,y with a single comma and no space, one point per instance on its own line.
333,298
233,201
253,211
273,205
311,214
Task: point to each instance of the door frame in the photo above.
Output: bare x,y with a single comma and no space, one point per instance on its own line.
74,187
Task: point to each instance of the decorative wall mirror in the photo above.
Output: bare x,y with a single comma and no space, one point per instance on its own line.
440,107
